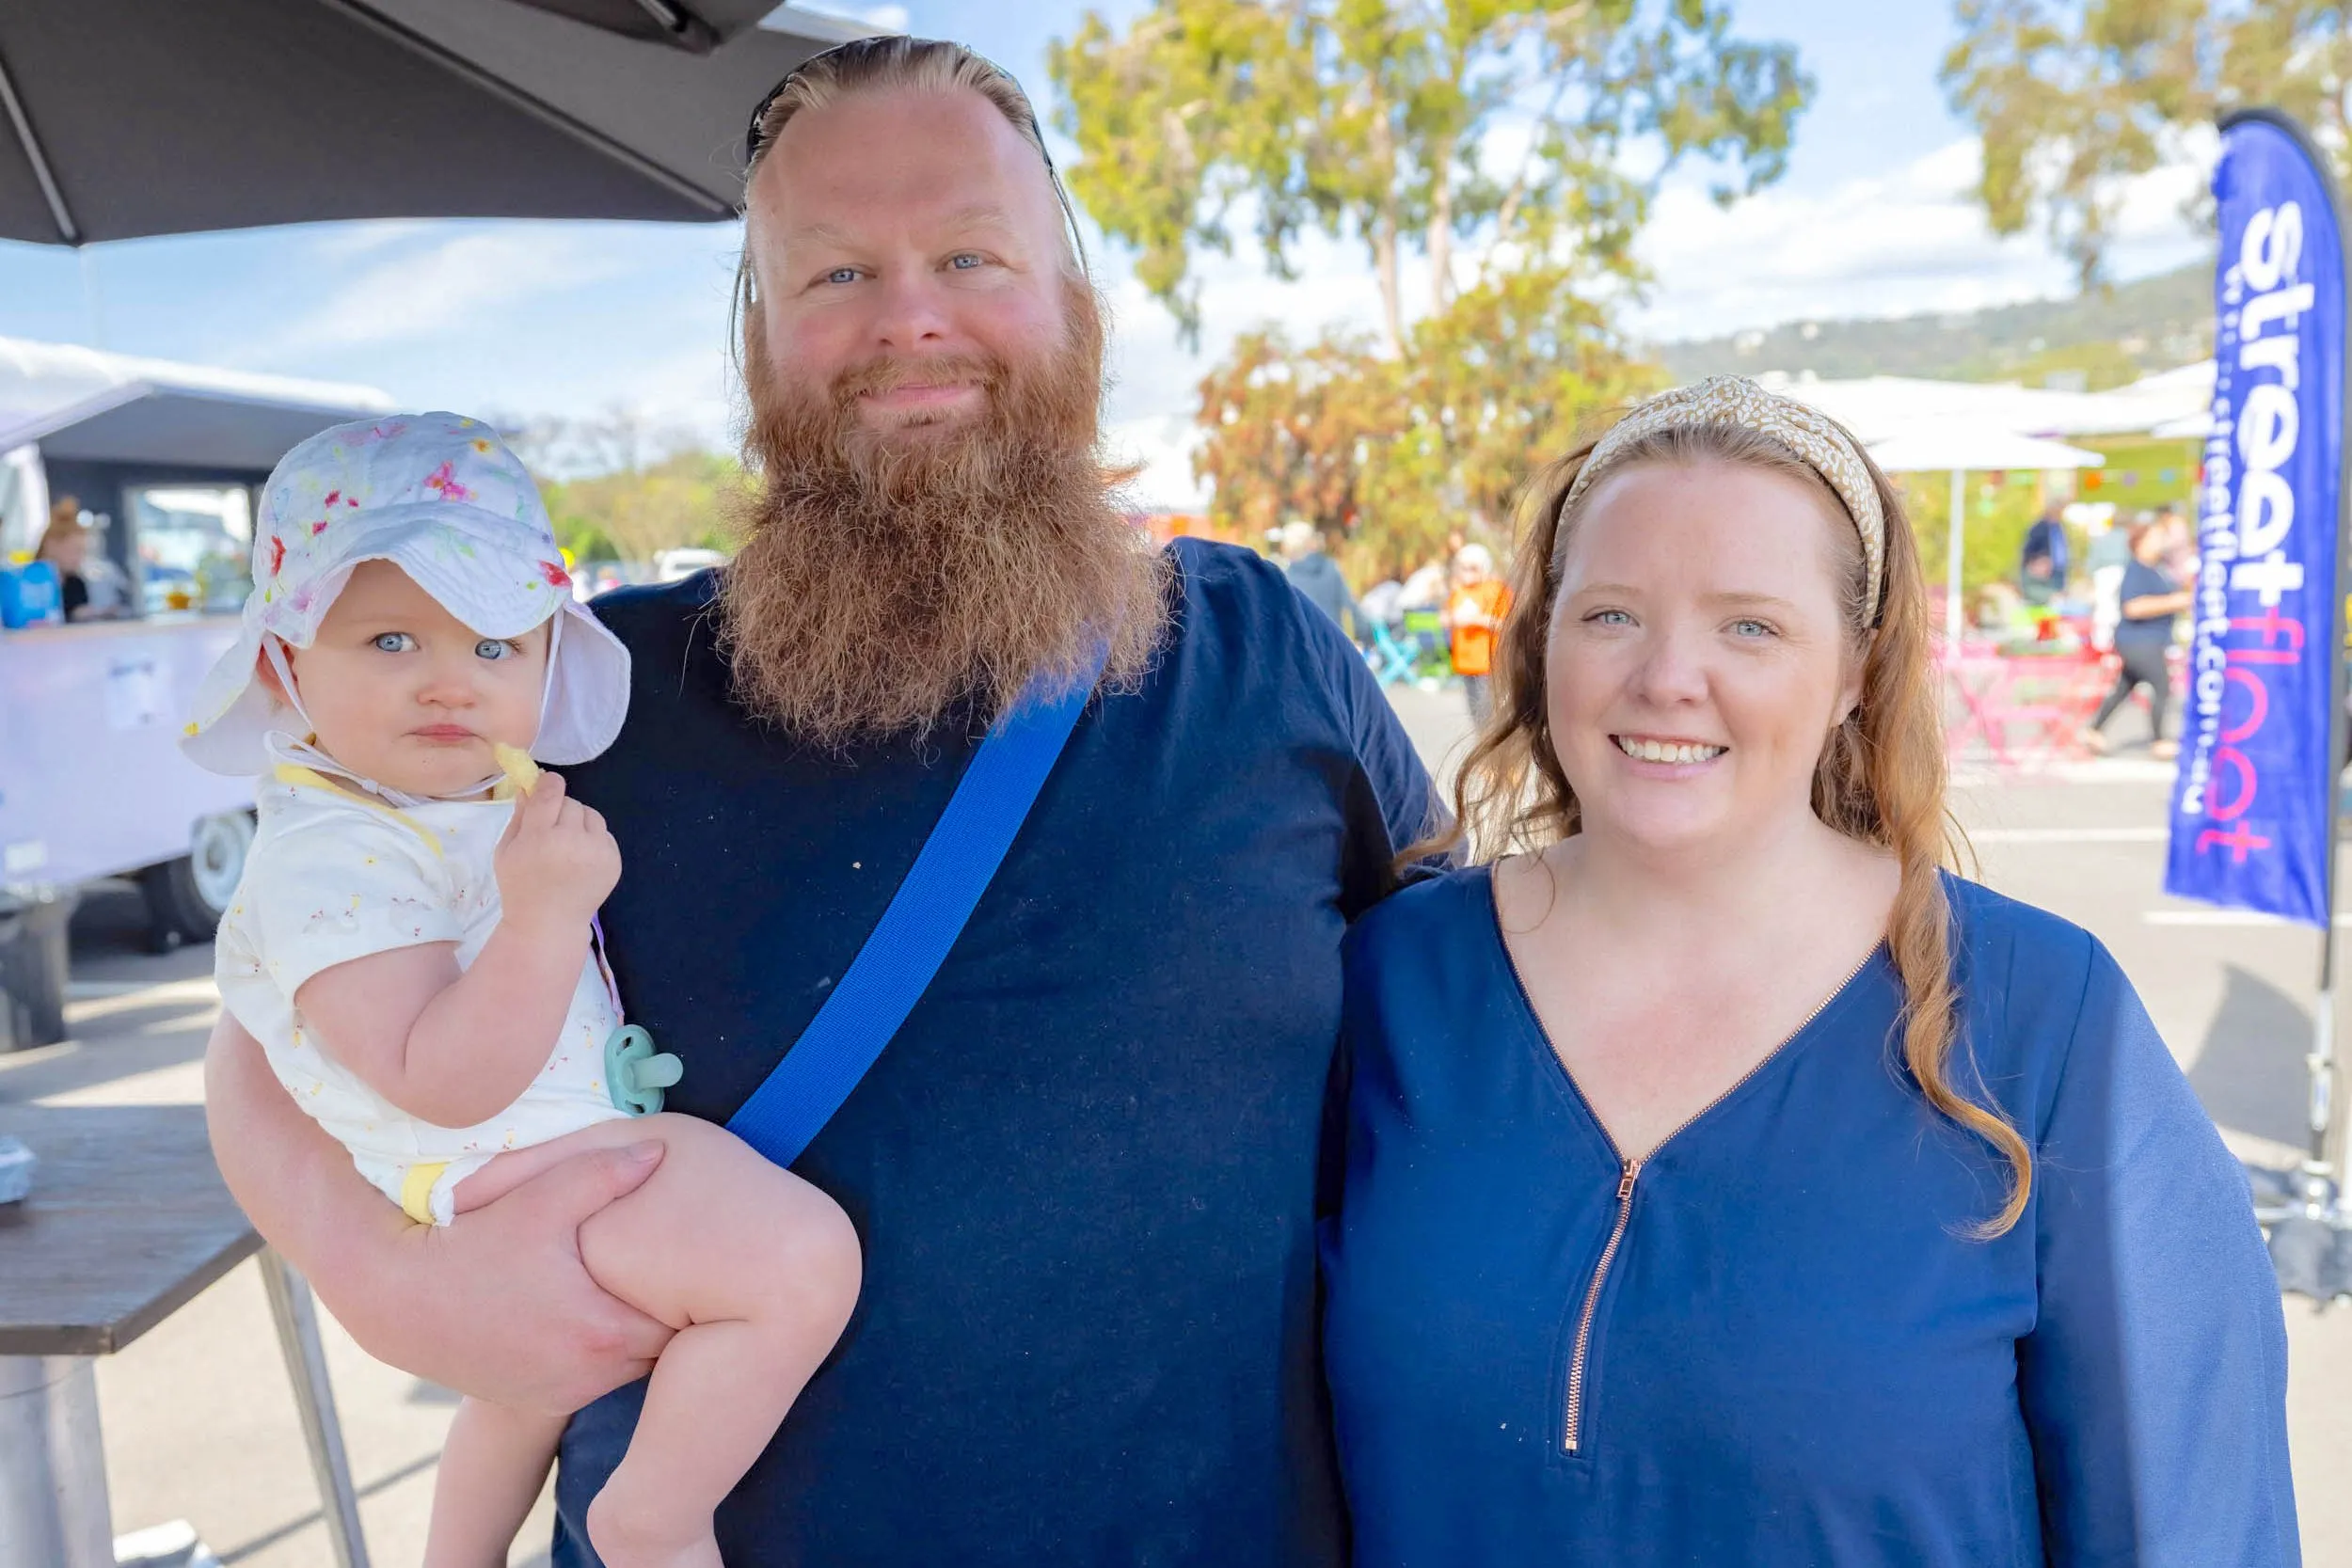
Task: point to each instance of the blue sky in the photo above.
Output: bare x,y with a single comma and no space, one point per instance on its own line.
572,318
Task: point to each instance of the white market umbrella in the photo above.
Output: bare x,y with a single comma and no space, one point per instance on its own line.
1944,445
2190,427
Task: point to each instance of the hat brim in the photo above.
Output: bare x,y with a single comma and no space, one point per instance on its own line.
235,712
587,690
462,555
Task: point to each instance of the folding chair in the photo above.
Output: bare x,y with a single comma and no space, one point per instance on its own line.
1392,661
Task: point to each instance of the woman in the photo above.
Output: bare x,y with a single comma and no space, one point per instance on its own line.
84,586
1724,1183
2149,599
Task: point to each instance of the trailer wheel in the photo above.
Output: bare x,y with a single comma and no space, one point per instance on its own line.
186,897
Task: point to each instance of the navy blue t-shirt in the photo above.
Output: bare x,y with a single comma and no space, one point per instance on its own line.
2141,580
1085,1172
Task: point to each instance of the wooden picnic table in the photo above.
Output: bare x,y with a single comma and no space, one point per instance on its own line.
128,1221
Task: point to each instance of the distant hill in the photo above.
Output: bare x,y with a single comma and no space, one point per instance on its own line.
2084,344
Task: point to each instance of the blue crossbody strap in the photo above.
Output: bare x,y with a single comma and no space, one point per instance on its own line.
926,915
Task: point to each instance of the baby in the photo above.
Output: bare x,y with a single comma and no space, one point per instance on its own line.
414,946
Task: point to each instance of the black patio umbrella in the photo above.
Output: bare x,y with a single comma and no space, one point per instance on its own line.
127,118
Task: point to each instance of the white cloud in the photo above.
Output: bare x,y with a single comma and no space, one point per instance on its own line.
1153,373
694,390
345,241
1912,240
1164,445
1907,240
435,291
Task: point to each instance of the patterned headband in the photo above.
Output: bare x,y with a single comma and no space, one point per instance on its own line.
1735,401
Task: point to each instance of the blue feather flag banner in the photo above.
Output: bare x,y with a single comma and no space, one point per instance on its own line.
2253,807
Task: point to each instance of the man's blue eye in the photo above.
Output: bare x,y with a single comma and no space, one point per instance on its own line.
842,275
1751,628
964,262
393,643
491,647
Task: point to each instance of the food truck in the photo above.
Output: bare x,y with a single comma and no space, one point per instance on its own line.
163,464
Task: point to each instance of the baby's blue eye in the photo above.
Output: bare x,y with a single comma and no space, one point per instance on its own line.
492,648
395,643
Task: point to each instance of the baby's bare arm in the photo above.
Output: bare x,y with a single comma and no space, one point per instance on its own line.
447,1046
455,1048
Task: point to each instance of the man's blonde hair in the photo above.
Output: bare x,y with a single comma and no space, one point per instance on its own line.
891,63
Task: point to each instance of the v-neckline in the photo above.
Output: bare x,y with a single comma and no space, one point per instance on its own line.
1541,1037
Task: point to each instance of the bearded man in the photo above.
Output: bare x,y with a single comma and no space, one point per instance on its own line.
1087,1169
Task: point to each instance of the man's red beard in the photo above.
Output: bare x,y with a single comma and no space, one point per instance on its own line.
888,577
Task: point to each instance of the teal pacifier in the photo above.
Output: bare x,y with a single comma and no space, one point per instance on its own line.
635,1073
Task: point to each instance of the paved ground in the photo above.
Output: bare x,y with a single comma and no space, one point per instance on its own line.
199,1426
199,1417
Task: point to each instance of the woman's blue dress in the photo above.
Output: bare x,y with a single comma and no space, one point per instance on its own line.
1793,1353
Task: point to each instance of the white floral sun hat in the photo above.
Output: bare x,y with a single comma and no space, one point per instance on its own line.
440,497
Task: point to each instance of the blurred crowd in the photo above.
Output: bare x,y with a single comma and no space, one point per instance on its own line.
1434,626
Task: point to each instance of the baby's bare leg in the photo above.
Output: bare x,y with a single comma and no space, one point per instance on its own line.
492,1466
759,1270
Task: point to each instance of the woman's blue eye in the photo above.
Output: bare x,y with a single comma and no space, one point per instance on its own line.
1752,628
492,648
395,643
842,275
1612,618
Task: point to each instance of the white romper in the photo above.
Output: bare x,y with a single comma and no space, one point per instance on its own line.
331,878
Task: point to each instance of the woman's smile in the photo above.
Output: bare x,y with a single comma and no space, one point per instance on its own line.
1677,755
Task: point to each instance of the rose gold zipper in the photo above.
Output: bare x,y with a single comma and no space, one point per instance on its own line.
1592,1301
1631,1169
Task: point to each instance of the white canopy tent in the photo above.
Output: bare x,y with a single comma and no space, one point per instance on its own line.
1944,445
78,403
48,387
1875,407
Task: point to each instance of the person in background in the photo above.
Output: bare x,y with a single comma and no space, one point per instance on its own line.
2042,564
1429,584
2151,600
1423,587
89,588
1472,612
2180,544
2110,552
1318,577
1418,610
